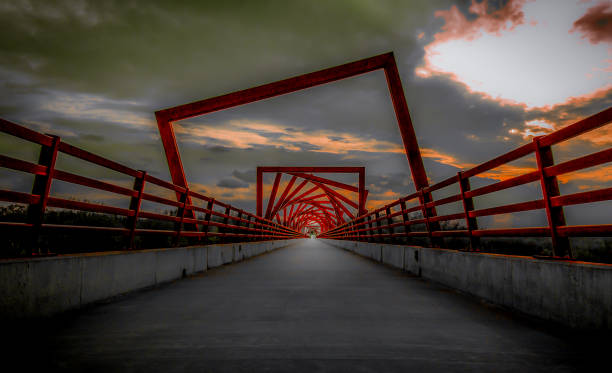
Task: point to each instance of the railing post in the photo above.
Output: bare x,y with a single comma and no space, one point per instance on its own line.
370,230
135,202
405,217
430,212
41,187
181,214
248,225
364,235
238,223
378,224
550,188
468,205
228,210
259,228
207,217
426,217
389,222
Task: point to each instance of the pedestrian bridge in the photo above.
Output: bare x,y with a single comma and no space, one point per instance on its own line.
243,291
302,305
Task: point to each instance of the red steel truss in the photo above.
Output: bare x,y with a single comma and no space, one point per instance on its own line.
320,206
386,61
326,209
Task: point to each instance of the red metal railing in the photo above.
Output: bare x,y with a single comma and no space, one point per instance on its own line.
370,226
234,223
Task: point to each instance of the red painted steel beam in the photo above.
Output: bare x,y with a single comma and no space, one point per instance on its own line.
337,184
314,204
312,214
405,125
315,169
259,191
386,61
306,193
339,196
279,204
295,171
334,196
294,192
273,194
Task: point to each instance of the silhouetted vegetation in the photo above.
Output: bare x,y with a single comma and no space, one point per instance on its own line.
16,242
588,249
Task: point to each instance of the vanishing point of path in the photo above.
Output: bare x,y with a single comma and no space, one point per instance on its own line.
309,307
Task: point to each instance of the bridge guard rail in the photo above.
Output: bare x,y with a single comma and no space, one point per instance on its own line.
190,220
370,226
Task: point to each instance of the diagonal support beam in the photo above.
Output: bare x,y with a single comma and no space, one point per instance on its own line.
279,204
325,181
273,194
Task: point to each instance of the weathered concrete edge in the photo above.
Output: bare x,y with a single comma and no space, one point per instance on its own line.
578,295
43,287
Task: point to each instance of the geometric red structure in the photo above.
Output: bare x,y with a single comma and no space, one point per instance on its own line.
381,223
298,210
166,117
229,223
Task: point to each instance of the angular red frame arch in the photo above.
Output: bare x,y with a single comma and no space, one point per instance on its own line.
385,61
300,172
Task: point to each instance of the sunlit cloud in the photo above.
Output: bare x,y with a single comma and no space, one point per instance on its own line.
523,53
446,159
93,107
246,193
244,134
600,175
596,24
573,110
533,128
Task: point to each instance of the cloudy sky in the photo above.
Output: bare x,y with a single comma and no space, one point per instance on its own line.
480,78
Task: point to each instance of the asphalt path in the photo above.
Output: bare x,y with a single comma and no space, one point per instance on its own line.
309,307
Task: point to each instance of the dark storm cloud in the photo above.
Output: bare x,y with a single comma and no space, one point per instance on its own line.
220,149
114,47
304,146
232,183
90,137
596,24
248,176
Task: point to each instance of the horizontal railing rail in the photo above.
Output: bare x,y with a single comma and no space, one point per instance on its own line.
370,226
190,219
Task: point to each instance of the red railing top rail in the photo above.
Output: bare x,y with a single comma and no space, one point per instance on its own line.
45,172
546,172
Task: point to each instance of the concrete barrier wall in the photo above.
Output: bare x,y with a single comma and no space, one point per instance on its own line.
46,286
575,294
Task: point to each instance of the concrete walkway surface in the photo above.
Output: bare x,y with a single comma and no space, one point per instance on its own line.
307,308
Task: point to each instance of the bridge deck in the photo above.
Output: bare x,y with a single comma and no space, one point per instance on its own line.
309,307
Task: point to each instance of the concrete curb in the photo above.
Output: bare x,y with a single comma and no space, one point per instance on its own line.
46,286
576,294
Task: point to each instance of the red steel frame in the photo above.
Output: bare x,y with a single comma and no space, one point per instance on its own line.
302,173
166,117
310,208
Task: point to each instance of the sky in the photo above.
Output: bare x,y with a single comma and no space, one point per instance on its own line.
480,77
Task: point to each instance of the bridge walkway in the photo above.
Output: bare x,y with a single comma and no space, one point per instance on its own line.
308,307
